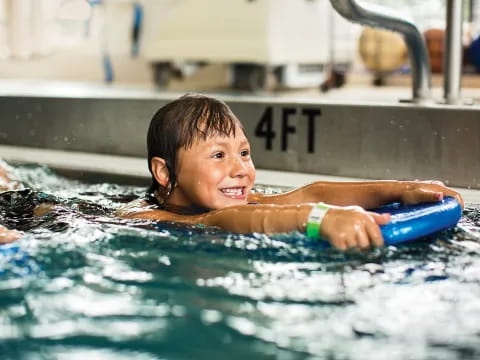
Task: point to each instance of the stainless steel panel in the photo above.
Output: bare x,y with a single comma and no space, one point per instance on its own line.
369,141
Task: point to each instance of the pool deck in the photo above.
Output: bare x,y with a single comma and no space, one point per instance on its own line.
135,167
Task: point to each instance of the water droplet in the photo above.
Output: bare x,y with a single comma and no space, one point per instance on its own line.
164,260
211,316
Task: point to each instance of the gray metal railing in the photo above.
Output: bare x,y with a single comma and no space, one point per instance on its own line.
376,16
453,52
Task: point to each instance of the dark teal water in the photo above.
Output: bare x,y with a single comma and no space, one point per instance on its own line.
86,285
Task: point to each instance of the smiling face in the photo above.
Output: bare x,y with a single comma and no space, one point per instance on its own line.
214,173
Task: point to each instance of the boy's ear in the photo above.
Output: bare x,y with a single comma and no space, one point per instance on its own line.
160,170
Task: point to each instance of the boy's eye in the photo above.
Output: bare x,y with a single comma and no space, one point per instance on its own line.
218,155
245,153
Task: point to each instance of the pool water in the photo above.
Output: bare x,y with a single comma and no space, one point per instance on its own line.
84,284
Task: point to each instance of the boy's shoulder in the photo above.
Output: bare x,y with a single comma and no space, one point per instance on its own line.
135,207
143,209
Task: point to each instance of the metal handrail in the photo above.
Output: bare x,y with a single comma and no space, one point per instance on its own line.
453,52
377,16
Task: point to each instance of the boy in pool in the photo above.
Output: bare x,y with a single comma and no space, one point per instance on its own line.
202,173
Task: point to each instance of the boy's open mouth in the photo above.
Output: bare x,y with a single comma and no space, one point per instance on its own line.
234,192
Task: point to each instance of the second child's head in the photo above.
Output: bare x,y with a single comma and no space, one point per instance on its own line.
198,154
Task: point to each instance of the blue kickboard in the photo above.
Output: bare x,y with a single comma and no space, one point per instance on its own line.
411,222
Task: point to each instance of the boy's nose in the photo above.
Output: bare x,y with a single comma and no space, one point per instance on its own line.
238,168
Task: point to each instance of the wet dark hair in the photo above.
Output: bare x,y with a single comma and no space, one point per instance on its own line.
181,122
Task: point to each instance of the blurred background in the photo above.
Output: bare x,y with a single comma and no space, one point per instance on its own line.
274,47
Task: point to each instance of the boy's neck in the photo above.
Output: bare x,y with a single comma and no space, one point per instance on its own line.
173,204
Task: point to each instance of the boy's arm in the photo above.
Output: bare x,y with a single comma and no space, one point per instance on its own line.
367,194
240,219
7,236
343,227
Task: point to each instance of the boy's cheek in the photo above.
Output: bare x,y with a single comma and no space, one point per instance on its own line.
252,173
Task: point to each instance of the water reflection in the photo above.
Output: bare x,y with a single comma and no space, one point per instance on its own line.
115,288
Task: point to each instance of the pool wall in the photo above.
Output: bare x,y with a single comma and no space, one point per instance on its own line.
376,141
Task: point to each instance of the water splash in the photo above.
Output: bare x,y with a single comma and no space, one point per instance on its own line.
118,288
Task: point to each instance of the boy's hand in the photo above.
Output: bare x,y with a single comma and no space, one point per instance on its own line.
415,192
353,227
7,236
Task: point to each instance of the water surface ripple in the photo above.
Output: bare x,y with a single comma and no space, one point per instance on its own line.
83,283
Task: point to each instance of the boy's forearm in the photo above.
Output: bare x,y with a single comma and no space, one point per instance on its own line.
368,194
259,218
241,219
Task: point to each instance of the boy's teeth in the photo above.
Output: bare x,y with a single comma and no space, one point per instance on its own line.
232,191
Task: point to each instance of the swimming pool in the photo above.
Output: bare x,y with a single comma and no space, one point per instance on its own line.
88,284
